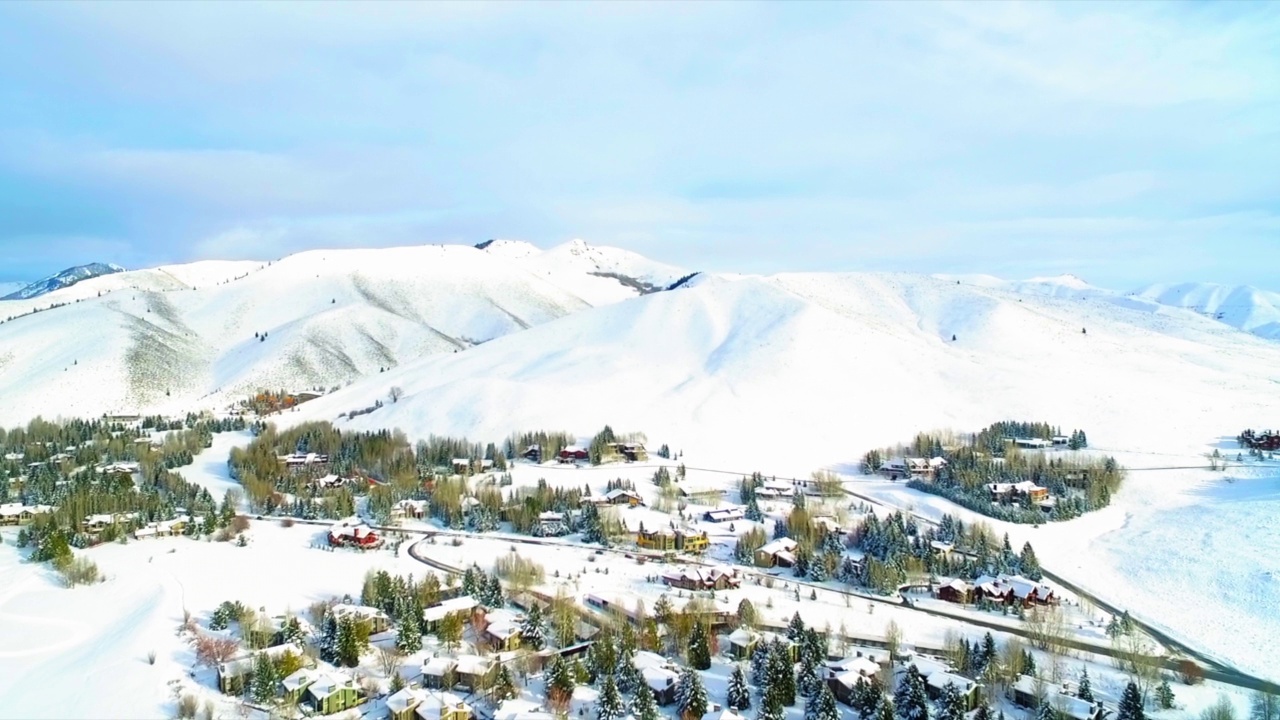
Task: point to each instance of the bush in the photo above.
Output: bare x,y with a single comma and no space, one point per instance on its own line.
286,523
1190,673
239,524
151,657
78,571
187,707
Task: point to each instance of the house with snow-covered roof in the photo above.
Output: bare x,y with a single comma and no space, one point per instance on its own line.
439,673
1029,692
779,553
332,692
742,642
420,704
1009,589
701,578
375,618
955,591
233,674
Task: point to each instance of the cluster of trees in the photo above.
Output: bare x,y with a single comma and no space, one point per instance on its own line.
550,443
601,448
342,641
1079,485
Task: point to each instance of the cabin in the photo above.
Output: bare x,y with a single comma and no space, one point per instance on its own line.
779,553
415,704
742,642
895,469
1028,691
533,454
298,462
731,514
699,578
775,489
332,692
552,523
573,453
409,510
432,616
957,591
619,496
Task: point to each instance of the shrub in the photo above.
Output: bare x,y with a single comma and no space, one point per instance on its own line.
151,657
187,706
239,524
78,571
286,523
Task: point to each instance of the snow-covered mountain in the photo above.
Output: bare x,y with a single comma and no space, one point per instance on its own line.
201,334
64,279
837,363
9,286
1240,306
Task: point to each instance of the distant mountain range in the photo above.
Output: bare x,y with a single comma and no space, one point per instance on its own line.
64,279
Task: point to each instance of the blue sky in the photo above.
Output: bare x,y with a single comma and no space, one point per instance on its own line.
1125,143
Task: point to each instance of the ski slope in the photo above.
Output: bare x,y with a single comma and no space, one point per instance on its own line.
184,337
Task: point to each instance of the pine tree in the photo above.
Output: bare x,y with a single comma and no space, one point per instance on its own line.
292,631
531,632
866,698
609,706
771,708
746,613
643,705
822,706
409,631
328,641
911,700
760,664
347,647
1164,695
885,710
263,686
561,681
503,686
950,706
780,677
699,648
1045,711
1131,704
1028,663
739,695
982,713
808,681
493,594
795,628
1029,563
691,696
1085,689
753,510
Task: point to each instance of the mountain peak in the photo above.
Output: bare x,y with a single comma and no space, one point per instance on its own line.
64,279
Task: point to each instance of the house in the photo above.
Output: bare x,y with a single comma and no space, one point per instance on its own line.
164,528
1014,588
573,453
668,540
742,642
843,676
461,466
937,682
474,671
439,673
775,489
619,496
409,509
1032,443
432,616
415,704
332,692
1061,440
293,686
19,514
353,532
956,591
533,453
731,514
692,542
631,451
661,676
1015,492
377,620
502,629
779,553
895,469
1028,691
296,462
233,674
699,578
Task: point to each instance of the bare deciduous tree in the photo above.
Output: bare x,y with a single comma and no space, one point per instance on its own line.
214,650
395,393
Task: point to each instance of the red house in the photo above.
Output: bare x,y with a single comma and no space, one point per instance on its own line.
573,453
353,534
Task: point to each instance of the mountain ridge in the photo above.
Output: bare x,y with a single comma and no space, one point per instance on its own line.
63,279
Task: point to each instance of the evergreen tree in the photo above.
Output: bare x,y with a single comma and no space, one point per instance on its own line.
561,681
982,713
643,705
1028,663
691,696
739,695
950,706
1045,711
409,630
753,510
885,710
911,700
1131,704
795,628
771,708
263,687
493,593
699,648
808,680
609,706
1029,564
347,648
327,643
531,628
987,655
1085,689
1164,695
780,677
865,698
760,664
822,706
292,631
503,686
747,614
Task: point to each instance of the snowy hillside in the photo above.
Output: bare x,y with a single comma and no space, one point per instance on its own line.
1248,308
63,279
837,364
187,336
7,287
